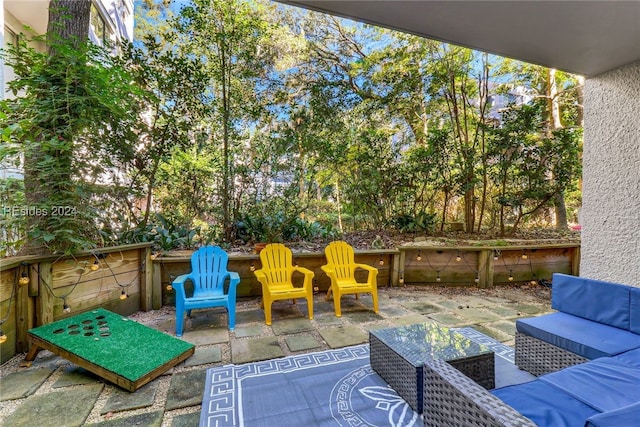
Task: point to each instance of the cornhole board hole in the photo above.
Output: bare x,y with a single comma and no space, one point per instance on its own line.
111,346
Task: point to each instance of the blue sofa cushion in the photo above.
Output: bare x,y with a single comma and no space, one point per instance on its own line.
596,300
629,416
634,310
545,405
581,336
631,357
604,384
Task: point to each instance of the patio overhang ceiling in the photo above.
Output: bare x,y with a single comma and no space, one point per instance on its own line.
34,13
581,37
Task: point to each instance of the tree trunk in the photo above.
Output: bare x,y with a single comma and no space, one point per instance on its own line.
68,20
555,123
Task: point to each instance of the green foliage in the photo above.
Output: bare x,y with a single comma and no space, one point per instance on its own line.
422,222
67,107
278,228
12,204
275,124
166,235
528,167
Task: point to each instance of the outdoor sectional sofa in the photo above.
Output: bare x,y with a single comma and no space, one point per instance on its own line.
586,356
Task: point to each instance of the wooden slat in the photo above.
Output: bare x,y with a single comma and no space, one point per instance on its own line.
146,281
24,317
68,272
7,281
46,301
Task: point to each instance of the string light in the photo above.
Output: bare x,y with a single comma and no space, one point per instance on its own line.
458,257
381,262
524,255
438,277
123,295
510,276
24,279
65,306
401,280
496,255
419,257
477,279
95,266
3,337
169,287
252,267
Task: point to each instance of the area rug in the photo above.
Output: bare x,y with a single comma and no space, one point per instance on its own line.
328,388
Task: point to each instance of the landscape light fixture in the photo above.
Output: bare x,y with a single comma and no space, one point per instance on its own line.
24,279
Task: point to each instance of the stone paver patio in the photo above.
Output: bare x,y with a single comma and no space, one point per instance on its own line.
55,392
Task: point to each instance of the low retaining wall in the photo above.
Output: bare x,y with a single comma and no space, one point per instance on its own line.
103,277
79,283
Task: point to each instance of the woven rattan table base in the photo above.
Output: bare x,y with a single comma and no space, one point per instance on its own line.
407,379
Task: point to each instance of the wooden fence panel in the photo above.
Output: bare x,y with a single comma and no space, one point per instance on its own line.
56,281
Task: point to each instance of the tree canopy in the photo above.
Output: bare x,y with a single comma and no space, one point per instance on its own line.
233,120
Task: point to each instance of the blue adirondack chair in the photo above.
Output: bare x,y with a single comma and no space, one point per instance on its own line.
208,275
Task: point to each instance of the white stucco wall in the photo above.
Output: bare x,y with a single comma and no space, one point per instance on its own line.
611,177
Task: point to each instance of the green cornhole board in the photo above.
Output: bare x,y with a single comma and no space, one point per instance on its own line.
111,346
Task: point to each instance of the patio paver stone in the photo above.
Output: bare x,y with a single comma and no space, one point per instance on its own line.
530,309
291,326
248,331
206,336
186,420
186,389
23,384
423,307
466,301
75,375
255,349
477,315
505,312
204,355
123,400
302,342
249,316
69,407
342,336
147,419
411,319
448,319
363,316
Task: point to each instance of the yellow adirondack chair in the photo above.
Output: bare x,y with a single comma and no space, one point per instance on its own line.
276,276
341,268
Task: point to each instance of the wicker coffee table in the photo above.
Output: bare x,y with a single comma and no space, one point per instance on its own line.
398,355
